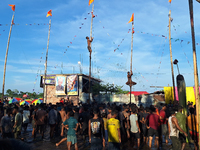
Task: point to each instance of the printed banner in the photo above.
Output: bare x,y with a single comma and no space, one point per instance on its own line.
60,85
50,80
169,94
72,85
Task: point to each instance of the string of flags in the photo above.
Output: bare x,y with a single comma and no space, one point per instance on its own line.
37,75
160,63
141,75
27,24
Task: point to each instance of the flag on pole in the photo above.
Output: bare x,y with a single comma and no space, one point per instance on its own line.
90,2
12,7
170,1
49,13
132,18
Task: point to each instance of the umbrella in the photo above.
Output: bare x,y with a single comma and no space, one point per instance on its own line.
25,95
28,100
24,102
13,101
37,101
18,98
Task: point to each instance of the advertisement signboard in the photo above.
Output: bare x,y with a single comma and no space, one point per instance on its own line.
50,79
60,84
72,85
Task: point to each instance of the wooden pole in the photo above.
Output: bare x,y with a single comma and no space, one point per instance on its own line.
196,82
45,72
4,73
170,48
90,52
131,58
132,47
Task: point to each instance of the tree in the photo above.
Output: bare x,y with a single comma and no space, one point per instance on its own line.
9,93
15,91
108,88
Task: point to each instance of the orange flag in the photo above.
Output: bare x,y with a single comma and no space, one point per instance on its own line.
170,1
49,13
90,2
132,18
12,7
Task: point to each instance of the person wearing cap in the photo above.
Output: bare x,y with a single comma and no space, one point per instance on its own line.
182,123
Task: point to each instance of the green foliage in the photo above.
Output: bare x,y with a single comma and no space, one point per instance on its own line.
107,88
16,93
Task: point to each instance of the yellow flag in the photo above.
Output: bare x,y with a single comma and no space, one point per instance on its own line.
90,2
132,18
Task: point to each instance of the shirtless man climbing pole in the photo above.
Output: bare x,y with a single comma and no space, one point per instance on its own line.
89,41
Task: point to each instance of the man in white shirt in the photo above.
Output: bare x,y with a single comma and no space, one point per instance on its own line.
135,130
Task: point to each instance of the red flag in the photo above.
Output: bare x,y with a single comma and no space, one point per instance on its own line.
92,15
12,7
132,18
49,13
90,2
170,1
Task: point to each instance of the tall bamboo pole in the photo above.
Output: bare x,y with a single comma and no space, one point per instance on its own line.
4,73
131,57
170,48
90,52
45,72
196,82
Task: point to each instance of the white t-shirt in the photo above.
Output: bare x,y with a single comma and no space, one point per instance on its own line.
26,114
133,119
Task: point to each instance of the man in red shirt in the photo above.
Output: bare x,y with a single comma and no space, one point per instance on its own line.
163,121
153,121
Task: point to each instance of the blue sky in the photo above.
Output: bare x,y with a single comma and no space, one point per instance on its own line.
71,23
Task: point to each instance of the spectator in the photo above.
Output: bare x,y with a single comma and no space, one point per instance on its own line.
72,126
163,121
114,135
18,123
6,125
41,115
153,120
135,129
182,123
26,115
52,120
96,132
174,128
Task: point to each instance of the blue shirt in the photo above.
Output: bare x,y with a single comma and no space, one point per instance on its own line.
71,122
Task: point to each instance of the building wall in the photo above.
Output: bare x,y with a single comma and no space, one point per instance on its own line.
53,98
145,100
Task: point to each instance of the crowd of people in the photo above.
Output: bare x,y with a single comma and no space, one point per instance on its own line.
103,125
